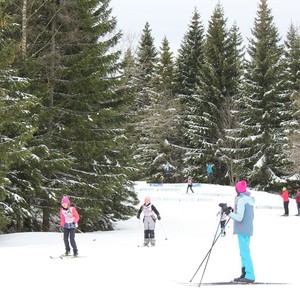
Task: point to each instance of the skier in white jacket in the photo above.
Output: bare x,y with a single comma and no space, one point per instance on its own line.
150,215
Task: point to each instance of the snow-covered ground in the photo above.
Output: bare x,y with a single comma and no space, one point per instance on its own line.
112,267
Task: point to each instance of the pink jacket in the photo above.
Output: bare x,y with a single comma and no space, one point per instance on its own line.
68,216
285,195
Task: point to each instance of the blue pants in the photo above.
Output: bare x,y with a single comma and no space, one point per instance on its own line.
244,245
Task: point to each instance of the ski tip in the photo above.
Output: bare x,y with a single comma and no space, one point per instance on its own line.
55,257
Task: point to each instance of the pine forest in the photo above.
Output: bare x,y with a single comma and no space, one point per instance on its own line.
82,118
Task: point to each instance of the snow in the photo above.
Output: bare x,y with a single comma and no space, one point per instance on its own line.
113,267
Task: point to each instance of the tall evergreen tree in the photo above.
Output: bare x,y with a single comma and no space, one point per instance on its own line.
165,110
190,57
146,144
164,80
266,116
188,64
71,60
17,126
292,78
228,146
217,84
146,60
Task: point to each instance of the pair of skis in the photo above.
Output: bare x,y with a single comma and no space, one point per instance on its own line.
146,246
64,256
234,283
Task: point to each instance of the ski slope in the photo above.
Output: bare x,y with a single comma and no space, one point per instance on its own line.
112,267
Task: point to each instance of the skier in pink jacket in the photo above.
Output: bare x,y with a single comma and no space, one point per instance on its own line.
286,201
69,218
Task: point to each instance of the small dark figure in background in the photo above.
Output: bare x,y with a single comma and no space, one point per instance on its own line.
209,172
190,185
297,197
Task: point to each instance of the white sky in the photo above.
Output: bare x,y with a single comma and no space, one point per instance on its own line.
171,18
112,267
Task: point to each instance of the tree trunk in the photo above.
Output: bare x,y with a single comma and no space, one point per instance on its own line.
24,29
46,218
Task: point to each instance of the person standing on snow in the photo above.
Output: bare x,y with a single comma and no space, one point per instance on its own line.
223,220
69,218
150,215
297,197
286,201
243,215
190,185
209,172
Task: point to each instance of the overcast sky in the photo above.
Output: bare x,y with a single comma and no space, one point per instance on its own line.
171,18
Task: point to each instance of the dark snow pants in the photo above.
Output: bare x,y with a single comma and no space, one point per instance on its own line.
70,233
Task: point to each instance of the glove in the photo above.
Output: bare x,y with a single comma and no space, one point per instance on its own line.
227,210
138,216
158,217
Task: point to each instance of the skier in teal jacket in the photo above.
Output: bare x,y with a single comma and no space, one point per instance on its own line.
243,215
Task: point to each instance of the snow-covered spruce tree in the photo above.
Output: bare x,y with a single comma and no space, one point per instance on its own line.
146,144
228,146
190,57
17,126
187,66
265,119
216,88
146,60
72,59
167,164
292,78
164,73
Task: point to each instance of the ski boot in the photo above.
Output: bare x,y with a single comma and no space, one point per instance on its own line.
242,276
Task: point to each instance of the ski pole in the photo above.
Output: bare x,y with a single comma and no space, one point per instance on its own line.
216,237
163,230
83,233
210,254
140,225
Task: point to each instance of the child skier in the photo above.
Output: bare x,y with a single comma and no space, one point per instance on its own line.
69,218
190,185
150,214
223,223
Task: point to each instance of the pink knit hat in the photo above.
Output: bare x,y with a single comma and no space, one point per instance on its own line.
241,186
65,200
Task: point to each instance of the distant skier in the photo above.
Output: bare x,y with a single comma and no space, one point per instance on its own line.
150,214
286,201
209,172
69,218
243,226
190,185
